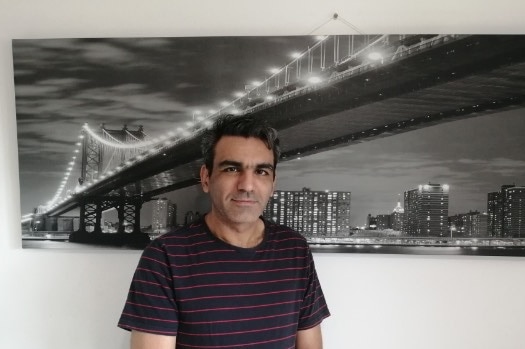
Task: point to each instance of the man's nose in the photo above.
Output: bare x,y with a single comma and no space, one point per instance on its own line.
246,181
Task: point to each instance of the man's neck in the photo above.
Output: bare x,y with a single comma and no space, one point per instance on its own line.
246,235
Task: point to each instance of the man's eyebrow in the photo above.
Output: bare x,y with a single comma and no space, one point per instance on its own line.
265,165
225,163
229,163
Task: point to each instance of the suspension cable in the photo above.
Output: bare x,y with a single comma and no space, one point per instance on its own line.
118,144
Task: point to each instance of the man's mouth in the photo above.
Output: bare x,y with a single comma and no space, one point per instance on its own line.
244,201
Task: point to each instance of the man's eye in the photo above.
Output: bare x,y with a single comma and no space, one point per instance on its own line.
231,169
263,172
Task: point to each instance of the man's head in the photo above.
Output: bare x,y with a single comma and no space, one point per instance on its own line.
247,127
240,155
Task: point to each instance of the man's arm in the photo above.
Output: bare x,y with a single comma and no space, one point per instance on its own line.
143,340
310,338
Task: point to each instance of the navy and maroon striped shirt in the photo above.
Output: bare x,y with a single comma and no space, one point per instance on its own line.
210,294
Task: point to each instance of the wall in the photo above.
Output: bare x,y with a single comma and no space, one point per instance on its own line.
65,299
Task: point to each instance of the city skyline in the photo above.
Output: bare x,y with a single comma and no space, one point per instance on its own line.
479,155
381,203
160,82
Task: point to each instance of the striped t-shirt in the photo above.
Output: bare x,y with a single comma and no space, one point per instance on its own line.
210,294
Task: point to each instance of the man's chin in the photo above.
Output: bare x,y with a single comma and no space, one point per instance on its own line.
245,217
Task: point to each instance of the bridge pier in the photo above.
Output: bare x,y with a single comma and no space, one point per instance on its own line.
129,212
90,225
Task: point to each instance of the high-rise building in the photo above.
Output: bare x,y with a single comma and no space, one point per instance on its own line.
426,210
495,214
371,222
481,225
496,204
383,221
379,222
164,215
471,224
455,225
312,213
514,212
505,212
410,222
396,217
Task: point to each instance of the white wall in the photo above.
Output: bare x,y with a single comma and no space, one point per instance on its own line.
72,299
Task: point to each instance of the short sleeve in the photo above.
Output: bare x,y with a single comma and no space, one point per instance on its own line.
314,308
150,305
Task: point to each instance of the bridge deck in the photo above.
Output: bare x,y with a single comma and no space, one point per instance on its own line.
459,78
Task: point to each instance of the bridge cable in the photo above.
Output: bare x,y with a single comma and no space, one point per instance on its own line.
336,17
350,25
133,136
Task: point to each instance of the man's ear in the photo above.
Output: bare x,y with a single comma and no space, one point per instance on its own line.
205,179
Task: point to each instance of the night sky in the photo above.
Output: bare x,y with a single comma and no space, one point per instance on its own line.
61,84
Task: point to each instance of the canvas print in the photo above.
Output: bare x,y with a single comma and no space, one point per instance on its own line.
390,143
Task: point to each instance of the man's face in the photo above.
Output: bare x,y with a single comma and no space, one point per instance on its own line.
242,179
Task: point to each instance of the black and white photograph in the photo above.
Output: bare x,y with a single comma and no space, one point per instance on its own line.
405,144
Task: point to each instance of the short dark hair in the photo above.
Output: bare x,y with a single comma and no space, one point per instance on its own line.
243,126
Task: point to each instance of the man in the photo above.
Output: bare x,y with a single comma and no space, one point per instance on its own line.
230,280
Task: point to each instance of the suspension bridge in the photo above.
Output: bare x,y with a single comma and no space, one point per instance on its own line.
343,90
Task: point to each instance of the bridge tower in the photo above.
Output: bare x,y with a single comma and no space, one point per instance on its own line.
91,158
98,158
95,156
